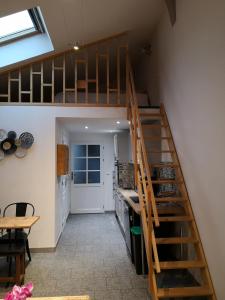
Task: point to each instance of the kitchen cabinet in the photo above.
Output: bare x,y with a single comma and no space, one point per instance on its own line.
62,160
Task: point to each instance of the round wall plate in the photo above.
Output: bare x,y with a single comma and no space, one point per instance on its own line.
26,139
3,134
17,142
21,152
12,135
2,155
8,146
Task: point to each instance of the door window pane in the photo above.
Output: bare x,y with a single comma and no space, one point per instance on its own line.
94,177
93,150
86,164
79,164
94,164
79,177
79,150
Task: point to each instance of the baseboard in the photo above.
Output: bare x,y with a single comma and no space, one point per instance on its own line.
43,250
87,211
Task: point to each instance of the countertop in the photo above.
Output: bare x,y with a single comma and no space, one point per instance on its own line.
163,208
130,193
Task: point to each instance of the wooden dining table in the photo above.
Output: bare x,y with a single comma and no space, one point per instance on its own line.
18,222
10,223
85,297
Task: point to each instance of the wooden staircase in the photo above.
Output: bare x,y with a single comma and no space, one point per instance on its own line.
165,203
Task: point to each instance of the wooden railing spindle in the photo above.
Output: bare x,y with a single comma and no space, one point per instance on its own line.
64,79
9,88
118,74
19,80
97,75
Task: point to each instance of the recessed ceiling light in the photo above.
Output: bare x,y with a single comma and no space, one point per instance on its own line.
76,47
86,127
117,122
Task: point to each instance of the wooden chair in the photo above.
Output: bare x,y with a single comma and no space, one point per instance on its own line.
10,249
19,209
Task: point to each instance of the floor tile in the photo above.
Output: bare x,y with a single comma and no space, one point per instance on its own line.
90,259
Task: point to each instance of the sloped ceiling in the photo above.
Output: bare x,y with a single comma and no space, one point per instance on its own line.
86,21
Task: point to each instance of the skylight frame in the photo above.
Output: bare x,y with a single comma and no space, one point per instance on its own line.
38,27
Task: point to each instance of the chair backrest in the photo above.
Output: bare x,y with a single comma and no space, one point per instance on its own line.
19,209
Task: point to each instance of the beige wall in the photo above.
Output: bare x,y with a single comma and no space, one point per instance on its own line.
188,61
32,179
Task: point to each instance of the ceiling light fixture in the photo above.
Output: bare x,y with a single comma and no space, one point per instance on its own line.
117,122
76,46
86,127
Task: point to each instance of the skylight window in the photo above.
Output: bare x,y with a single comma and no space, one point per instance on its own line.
20,24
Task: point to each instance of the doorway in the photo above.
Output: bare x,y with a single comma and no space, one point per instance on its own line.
87,186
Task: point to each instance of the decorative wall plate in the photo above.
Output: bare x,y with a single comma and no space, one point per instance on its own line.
20,152
3,134
2,155
12,135
26,139
8,146
17,142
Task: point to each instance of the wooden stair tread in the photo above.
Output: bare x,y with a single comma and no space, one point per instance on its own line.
175,219
176,240
171,165
160,151
156,138
170,210
170,199
154,125
148,114
184,292
161,181
186,264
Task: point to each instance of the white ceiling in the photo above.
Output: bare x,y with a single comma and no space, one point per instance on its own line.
75,125
86,21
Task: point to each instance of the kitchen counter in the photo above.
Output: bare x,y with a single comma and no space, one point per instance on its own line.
130,193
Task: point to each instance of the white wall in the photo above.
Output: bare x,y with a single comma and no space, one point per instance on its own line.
105,139
190,79
124,151
33,178
62,201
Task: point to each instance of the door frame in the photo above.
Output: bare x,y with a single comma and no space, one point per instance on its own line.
90,185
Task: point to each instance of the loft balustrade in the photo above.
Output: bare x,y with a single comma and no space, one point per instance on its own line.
94,76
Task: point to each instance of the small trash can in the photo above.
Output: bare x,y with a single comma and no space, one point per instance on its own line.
137,249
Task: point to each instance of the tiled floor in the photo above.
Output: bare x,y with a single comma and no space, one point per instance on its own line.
91,259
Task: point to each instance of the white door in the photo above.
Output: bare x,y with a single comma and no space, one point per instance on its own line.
87,188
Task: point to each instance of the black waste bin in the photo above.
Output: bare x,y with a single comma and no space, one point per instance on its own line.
138,250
